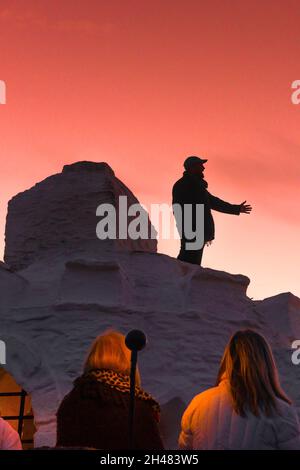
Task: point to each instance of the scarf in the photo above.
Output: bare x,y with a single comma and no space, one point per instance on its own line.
197,178
121,382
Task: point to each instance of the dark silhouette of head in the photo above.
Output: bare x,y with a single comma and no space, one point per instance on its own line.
194,165
250,368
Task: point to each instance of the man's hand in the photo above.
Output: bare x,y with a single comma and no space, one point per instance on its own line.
245,208
208,243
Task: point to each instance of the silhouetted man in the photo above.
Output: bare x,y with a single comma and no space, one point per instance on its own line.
192,189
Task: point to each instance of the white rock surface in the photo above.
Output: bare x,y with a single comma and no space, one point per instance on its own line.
62,295
59,215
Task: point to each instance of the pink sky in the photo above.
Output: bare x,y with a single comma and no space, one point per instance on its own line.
143,84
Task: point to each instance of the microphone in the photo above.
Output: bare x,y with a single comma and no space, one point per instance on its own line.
135,341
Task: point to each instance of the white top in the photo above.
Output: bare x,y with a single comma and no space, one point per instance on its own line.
210,422
9,438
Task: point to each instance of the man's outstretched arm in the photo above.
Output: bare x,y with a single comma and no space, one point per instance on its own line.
222,206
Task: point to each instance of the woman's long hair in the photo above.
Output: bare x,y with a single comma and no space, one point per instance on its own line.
249,365
109,351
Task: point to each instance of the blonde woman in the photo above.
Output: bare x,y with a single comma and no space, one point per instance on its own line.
247,409
95,414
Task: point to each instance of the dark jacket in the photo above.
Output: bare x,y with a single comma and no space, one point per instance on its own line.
192,189
96,415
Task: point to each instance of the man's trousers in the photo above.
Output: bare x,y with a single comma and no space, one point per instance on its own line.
190,256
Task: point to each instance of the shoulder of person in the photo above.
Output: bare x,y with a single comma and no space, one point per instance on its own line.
205,396
3,425
286,410
82,385
9,438
144,406
180,182
285,418
286,423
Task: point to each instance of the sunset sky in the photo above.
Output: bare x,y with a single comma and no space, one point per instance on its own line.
141,85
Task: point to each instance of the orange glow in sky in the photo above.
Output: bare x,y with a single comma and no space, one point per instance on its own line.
143,84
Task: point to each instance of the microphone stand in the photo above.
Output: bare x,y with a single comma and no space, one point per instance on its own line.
132,397
135,341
